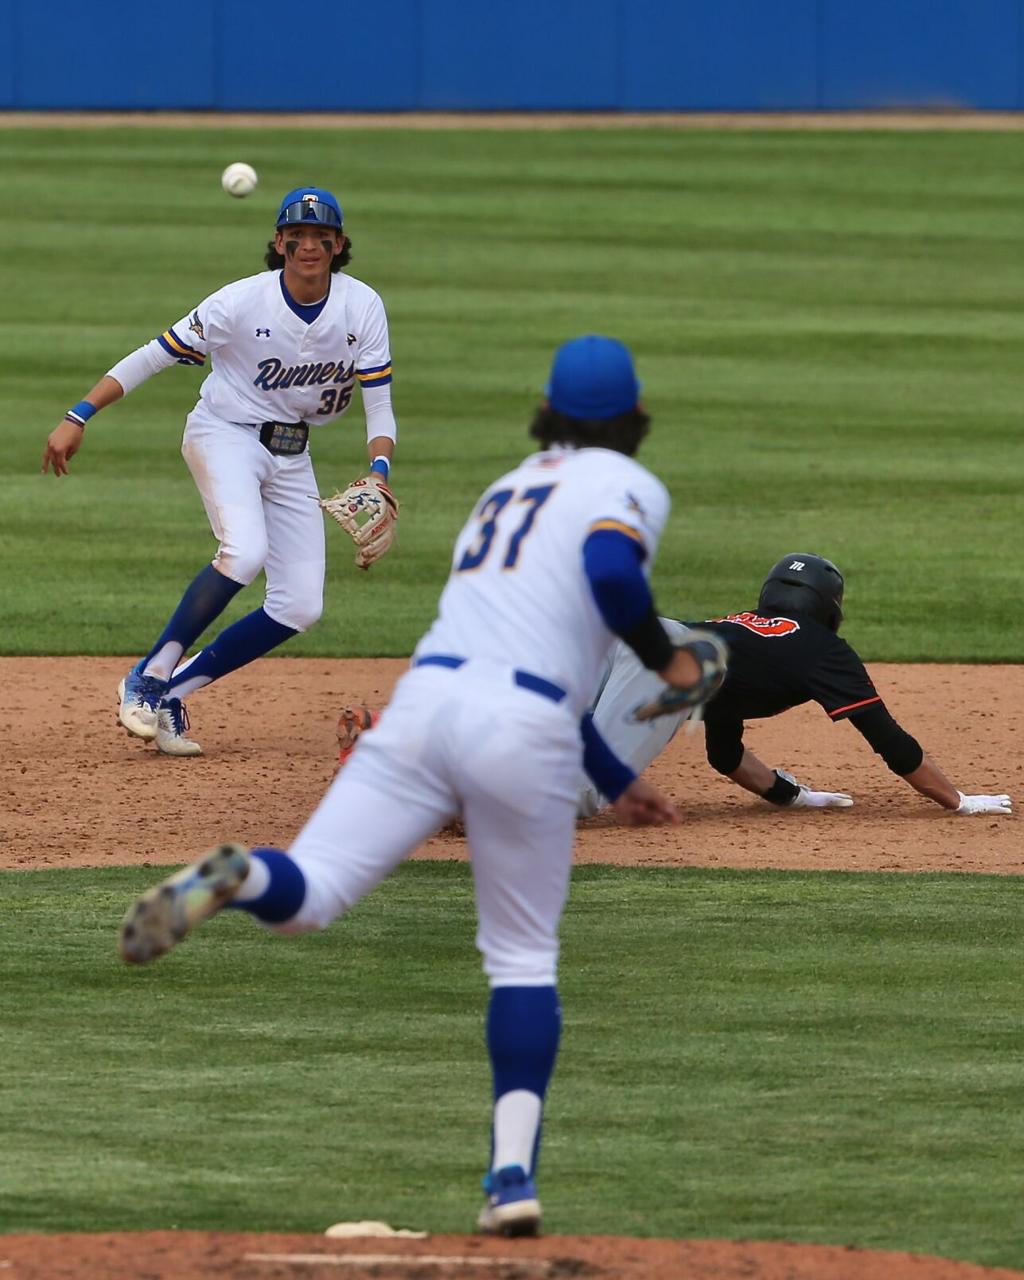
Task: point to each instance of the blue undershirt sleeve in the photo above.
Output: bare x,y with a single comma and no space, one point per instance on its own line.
611,561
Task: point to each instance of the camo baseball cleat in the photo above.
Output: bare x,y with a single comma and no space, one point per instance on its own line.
167,913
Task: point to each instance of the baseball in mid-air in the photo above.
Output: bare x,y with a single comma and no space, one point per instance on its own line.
238,179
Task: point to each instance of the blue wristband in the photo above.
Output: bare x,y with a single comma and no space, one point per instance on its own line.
381,465
81,412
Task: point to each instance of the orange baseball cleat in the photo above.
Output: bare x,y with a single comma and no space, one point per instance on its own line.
351,723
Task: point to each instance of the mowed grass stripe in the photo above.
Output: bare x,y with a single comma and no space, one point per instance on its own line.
826,327
830,1058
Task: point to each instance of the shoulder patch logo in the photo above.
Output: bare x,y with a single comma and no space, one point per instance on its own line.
352,339
195,325
759,626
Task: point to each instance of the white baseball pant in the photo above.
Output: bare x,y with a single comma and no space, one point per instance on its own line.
466,741
260,511
626,685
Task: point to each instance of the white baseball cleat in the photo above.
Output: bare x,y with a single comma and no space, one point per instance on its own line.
172,724
140,698
168,912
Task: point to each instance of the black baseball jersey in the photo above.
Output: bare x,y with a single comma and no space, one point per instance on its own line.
780,662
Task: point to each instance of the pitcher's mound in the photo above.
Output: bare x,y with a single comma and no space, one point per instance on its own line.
196,1255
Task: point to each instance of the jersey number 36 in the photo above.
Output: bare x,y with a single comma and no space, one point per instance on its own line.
490,509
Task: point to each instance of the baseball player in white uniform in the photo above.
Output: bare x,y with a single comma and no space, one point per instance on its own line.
487,724
288,347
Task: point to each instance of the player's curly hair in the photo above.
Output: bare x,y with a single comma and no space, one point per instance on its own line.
275,260
622,433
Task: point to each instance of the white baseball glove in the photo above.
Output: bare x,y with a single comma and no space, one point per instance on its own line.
983,804
808,799
368,513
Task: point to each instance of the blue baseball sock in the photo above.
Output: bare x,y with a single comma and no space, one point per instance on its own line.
248,638
278,885
206,598
523,1029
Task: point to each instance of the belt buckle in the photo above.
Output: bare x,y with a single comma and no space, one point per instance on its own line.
284,439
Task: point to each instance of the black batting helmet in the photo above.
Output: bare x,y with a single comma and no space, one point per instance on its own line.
805,583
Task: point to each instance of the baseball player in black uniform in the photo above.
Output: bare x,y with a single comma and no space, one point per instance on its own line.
785,652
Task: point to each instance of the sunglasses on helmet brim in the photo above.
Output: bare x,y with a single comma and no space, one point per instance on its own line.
312,213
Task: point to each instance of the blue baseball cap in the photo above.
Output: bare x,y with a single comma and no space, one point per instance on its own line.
310,205
593,378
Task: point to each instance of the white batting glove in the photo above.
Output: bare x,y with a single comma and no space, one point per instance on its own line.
808,799
983,804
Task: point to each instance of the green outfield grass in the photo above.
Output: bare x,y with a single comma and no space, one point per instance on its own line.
829,1058
828,327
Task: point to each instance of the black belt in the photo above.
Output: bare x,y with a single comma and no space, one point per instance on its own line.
284,439
524,679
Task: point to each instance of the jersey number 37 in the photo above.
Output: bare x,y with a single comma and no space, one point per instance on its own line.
529,501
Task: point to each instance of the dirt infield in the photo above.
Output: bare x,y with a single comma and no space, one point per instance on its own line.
194,1255
77,791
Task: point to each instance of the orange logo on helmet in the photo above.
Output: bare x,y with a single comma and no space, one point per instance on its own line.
762,626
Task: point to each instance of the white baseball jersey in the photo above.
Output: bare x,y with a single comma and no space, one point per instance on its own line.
517,591
468,737
268,364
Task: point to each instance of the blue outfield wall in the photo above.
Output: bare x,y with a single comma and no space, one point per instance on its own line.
461,55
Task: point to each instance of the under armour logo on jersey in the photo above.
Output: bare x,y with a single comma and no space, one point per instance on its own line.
798,564
262,333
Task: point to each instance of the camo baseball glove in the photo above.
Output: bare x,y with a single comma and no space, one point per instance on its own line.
712,655
368,513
